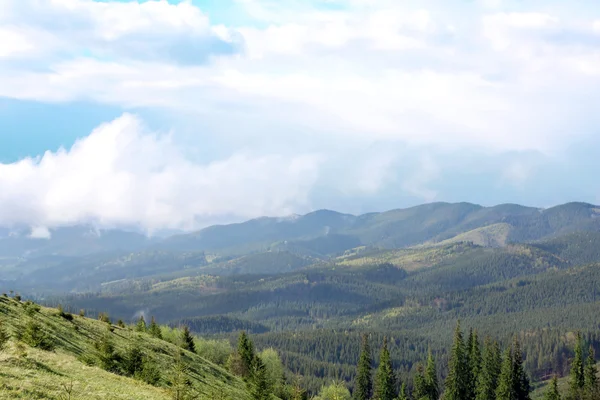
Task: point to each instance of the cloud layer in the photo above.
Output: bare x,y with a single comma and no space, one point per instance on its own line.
316,103
121,174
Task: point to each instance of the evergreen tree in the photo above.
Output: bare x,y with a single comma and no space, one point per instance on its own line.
35,336
4,336
133,361
187,340
591,391
521,385
552,392
457,382
505,390
260,388
364,379
246,354
106,354
487,381
431,380
420,385
385,381
179,381
403,395
577,381
141,325
154,329
474,362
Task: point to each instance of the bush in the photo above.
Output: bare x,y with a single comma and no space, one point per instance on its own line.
61,313
31,308
34,336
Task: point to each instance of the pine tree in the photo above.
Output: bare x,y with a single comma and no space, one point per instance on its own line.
403,393
4,336
591,390
577,381
474,362
457,382
187,340
385,381
246,353
487,382
141,325
106,354
420,385
364,379
154,329
552,393
133,361
260,388
521,385
431,380
505,390
178,379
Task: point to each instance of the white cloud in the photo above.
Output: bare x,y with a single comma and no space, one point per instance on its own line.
121,174
40,232
488,74
376,70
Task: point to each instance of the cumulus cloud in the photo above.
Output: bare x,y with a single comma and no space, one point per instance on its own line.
495,75
380,70
122,174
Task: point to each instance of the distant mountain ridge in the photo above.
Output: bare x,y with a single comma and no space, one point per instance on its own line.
428,223
327,232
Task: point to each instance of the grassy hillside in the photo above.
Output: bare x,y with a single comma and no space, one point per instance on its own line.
32,373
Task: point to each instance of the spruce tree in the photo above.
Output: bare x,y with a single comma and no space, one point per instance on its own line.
133,362
591,391
260,388
364,379
403,395
154,329
457,381
246,353
420,385
141,325
474,362
552,392
179,381
577,380
487,382
505,390
431,380
385,381
187,340
521,384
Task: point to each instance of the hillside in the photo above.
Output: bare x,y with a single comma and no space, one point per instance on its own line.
27,372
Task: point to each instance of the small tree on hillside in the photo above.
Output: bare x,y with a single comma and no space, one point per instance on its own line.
552,392
154,329
141,325
364,378
577,380
458,380
591,390
187,340
385,381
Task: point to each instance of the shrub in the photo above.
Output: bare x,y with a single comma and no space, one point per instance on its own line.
31,308
34,336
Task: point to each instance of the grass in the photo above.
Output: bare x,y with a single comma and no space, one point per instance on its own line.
47,374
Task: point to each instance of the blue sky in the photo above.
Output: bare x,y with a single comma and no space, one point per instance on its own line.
175,115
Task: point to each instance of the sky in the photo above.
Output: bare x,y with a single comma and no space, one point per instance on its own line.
181,114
